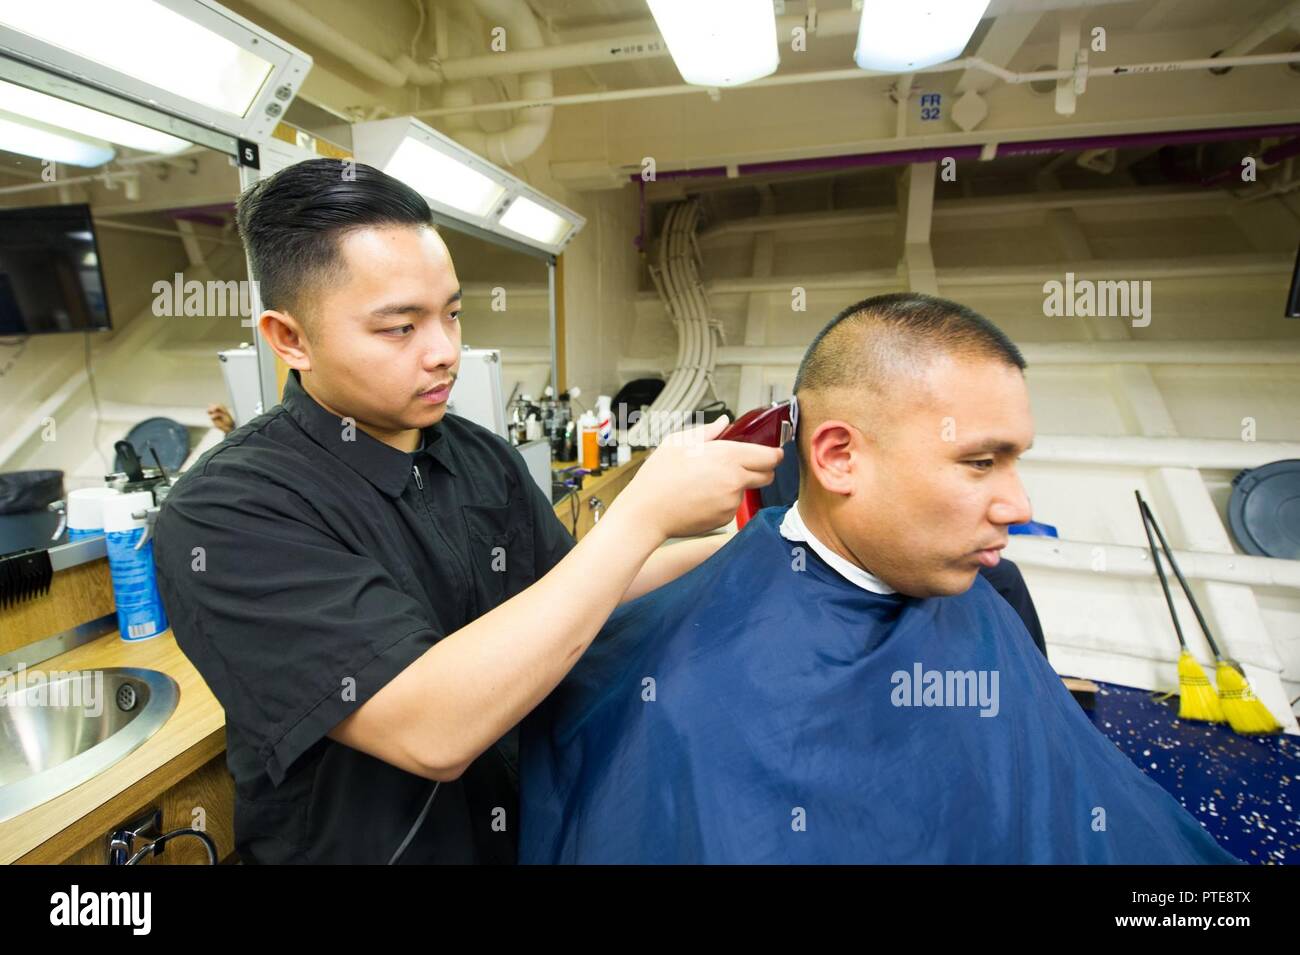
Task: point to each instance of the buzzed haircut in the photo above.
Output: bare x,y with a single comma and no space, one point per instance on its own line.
871,342
923,325
292,222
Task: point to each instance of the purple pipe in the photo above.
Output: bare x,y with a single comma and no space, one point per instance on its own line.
1279,152
1180,138
203,218
1282,151
898,157
1027,148
688,173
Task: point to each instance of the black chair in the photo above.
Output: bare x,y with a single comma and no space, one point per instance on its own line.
1005,577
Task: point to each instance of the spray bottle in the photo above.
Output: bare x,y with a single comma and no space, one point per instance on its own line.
140,613
605,424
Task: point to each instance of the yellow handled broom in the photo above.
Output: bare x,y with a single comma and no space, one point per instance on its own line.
1235,702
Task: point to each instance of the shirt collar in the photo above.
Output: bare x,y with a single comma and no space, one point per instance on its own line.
382,465
793,528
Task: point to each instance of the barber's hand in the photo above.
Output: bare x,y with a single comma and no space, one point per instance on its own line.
692,483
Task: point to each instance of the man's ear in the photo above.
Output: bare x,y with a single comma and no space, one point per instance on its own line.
835,452
285,336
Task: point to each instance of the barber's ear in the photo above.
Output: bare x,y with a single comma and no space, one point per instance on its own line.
836,458
284,334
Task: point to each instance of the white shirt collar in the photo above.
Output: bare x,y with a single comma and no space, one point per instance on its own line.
793,528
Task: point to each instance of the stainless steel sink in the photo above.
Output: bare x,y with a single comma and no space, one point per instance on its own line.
61,728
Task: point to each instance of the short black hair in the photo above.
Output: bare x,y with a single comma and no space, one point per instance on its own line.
291,224
913,324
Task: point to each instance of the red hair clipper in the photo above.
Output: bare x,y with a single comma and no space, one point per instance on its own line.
772,427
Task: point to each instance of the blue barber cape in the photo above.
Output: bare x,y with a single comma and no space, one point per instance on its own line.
762,708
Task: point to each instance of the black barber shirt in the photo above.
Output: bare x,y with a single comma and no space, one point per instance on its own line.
304,564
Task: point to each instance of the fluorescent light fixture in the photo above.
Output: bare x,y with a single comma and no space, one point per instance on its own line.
534,221
896,36
193,60
90,122
146,40
463,188
443,179
719,42
18,134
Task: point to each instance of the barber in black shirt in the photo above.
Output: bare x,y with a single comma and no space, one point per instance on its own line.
376,591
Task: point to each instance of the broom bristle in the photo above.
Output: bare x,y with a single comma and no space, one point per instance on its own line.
1244,712
1196,697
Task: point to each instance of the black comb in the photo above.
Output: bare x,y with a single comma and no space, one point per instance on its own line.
24,575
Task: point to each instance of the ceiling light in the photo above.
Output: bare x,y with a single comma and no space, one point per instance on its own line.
144,39
462,187
897,36
90,122
443,178
719,42
18,134
534,221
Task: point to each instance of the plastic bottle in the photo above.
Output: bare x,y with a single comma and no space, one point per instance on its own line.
86,511
589,441
140,613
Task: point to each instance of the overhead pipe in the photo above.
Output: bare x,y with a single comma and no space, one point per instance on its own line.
513,145
621,49
107,176
899,157
1202,267
1278,351
677,280
675,276
832,76
1269,157
169,233
506,147
979,208
1258,34
321,34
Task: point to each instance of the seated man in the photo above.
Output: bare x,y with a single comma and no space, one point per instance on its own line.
838,684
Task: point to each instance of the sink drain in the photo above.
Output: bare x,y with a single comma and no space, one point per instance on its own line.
126,697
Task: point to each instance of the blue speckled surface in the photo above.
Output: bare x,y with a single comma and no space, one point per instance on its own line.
1244,789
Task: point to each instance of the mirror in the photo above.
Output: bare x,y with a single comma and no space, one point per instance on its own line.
119,284
507,306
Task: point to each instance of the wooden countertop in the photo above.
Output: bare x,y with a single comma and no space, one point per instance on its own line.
192,735
594,482
607,485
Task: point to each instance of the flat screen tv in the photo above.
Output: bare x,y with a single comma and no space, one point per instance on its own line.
50,280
